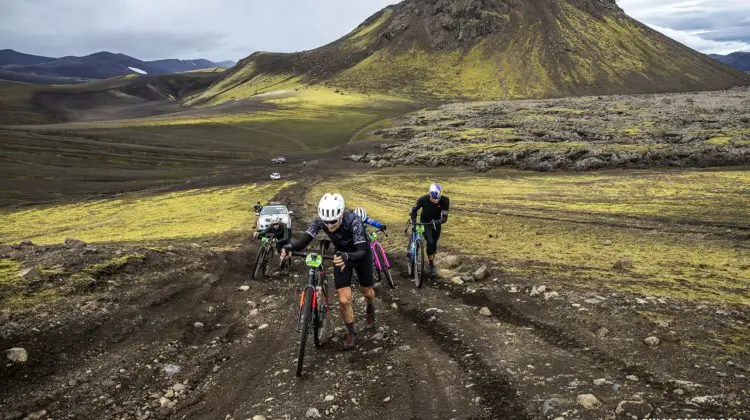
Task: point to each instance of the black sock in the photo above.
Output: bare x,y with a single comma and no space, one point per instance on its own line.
370,308
351,329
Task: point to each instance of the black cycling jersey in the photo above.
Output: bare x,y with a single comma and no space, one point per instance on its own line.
282,232
431,211
350,237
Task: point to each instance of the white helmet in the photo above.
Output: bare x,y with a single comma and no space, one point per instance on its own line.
331,207
361,212
275,219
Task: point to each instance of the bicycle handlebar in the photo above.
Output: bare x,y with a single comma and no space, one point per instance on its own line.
305,254
382,231
409,223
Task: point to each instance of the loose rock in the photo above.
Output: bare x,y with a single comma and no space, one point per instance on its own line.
481,273
551,295
537,290
198,325
312,413
485,311
634,408
651,341
329,398
37,415
623,264
632,378
74,243
244,288
449,261
457,281
588,401
17,355
600,381
602,332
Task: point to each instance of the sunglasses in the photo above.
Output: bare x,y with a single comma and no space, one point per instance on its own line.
333,225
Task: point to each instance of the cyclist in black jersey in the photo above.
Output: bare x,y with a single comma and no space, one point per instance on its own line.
280,231
434,208
347,233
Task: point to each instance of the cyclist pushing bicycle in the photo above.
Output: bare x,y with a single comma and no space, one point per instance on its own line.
353,252
366,220
381,266
434,208
279,230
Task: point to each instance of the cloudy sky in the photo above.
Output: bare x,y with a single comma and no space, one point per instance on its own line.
232,29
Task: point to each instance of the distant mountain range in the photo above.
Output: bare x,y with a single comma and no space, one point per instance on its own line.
739,60
20,67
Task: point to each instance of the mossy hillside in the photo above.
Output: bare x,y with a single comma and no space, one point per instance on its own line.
559,225
16,106
498,51
310,119
142,217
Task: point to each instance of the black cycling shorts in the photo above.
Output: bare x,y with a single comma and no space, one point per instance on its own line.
431,237
363,268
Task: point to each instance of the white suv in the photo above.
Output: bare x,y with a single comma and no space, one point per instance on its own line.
275,176
264,217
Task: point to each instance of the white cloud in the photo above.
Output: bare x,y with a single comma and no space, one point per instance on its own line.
709,26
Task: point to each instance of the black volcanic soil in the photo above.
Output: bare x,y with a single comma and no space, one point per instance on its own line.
102,352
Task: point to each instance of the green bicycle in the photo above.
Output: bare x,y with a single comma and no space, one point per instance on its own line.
263,259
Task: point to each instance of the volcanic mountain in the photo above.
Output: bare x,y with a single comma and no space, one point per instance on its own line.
489,49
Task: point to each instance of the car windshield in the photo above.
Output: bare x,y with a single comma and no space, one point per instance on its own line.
273,210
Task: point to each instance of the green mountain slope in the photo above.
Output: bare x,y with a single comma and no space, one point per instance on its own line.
488,49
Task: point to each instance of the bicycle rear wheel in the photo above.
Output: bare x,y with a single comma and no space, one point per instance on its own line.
419,273
258,262
305,317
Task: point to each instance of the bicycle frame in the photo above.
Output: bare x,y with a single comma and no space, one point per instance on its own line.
314,275
375,246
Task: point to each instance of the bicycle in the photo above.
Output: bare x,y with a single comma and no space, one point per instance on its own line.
416,250
263,258
381,266
313,304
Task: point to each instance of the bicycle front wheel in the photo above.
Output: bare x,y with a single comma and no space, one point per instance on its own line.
305,317
384,266
266,263
258,263
321,315
419,268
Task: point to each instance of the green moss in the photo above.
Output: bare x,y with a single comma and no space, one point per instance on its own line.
576,214
10,271
142,217
108,267
719,141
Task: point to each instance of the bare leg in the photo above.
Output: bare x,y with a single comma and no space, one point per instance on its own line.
345,304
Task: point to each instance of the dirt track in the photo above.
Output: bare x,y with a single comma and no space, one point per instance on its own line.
435,356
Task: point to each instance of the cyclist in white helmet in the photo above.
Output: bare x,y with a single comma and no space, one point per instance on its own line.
347,234
362,213
280,231
434,208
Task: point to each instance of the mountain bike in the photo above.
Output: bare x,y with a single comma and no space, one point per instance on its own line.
415,251
262,260
313,304
381,266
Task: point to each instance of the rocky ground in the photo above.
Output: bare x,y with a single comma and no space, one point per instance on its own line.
681,130
179,331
